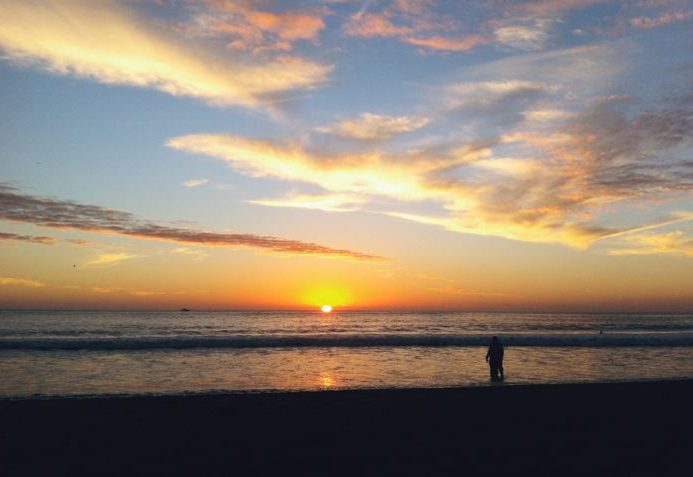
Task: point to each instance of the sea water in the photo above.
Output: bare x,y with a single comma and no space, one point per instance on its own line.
45,353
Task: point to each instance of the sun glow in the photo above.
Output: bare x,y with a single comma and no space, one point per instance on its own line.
326,308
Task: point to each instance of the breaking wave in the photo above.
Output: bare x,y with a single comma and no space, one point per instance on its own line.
586,340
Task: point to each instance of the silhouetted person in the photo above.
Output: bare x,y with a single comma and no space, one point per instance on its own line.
494,358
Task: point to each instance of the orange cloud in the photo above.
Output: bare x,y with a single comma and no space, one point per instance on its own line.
259,30
367,25
288,26
414,19
447,43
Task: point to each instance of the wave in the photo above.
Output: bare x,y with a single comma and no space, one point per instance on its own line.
350,341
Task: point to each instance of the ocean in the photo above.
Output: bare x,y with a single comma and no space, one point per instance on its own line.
86,353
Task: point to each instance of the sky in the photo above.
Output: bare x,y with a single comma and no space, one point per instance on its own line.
395,154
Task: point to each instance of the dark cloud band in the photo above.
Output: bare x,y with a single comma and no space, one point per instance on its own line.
60,214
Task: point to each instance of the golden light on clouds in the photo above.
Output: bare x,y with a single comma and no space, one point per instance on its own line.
106,42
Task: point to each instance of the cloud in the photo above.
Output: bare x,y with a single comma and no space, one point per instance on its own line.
27,238
487,94
78,242
619,156
659,21
532,35
369,173
324,202
367,25
539,156
20,282
519,208
544,115
414,23
551,7
197,254
463,26
110,259
581,71
105,289
249,28
447,43
60,214
671,243
553,189
112,45
374,127
146,293
108,290
195,183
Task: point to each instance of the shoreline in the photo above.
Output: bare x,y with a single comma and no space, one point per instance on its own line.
211,393
624,428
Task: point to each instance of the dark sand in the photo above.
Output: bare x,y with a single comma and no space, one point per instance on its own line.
582,429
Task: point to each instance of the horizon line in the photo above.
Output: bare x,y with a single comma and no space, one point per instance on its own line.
337,310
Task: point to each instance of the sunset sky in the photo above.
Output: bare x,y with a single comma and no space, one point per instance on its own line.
404,154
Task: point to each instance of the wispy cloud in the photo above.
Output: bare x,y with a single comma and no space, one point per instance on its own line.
445,26
447,43
146,293
660,20
195,183
20,282
490,94
60,214
670,243
550,7
27,238
135,293
110,259
111,44
528,35
414,23
197,254
325,202
375,127
78,242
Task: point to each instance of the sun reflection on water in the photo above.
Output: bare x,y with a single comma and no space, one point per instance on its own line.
326,381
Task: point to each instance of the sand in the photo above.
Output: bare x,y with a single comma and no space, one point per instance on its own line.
574,429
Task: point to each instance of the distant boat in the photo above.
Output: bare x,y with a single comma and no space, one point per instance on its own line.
184,309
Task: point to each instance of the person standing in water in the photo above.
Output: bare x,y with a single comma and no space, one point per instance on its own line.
494,357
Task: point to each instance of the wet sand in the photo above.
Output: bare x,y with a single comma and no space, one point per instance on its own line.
578,429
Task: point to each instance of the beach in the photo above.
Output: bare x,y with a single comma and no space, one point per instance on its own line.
638,428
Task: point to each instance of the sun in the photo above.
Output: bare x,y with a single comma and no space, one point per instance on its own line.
326,308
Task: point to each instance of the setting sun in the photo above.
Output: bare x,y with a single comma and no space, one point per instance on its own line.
326,308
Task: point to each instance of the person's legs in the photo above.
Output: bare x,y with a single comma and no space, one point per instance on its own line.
494,370
500,368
